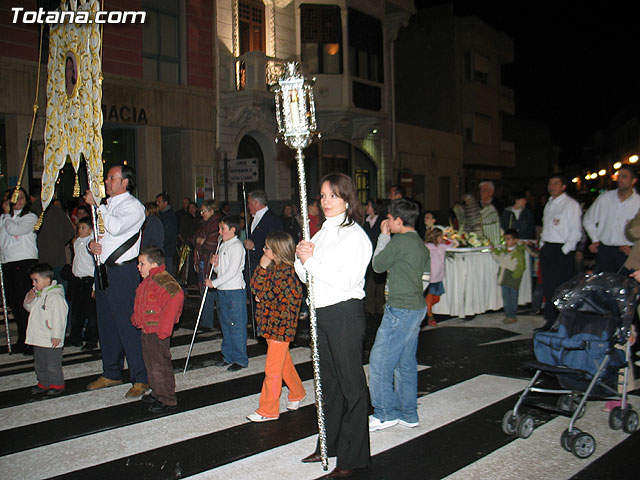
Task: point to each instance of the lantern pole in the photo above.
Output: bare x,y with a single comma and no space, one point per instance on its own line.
295,114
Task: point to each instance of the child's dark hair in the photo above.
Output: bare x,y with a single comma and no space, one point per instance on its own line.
406,210
232,221
153,254
43,269
513,232
432,235
86,221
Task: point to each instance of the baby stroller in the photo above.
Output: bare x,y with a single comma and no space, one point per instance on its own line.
596,311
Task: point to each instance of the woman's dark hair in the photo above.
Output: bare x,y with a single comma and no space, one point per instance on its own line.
27,203
378,207
343,186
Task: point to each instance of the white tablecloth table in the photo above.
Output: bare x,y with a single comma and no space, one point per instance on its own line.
471,283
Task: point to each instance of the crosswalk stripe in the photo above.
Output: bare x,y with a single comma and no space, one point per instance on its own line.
434,410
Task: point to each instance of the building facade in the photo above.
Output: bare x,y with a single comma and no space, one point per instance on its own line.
158,97
347,46
451,72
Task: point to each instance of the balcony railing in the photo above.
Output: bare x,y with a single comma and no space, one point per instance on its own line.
256,71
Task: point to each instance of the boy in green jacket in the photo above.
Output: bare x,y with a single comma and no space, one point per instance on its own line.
511,266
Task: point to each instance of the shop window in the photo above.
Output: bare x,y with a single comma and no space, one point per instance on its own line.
161,41
321,38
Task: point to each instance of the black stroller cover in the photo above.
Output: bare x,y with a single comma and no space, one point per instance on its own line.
596,311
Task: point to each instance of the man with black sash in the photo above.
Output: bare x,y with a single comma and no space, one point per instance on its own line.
118,248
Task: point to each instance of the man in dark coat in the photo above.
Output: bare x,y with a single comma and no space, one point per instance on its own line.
264,221
170,224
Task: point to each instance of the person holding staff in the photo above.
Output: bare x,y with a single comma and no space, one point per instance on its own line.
336,259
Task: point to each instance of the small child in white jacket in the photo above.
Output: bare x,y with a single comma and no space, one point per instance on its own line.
47,309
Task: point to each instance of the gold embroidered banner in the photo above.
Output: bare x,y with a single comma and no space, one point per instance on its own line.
74,96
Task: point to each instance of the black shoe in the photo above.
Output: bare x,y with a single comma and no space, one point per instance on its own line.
220,363
544,328
160,407
55,392
87,347
28,350
38,390
148,398
234,367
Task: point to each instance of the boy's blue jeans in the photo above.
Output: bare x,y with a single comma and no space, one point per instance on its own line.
393,368
232,310
510,301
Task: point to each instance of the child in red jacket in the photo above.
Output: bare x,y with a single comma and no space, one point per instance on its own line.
157,308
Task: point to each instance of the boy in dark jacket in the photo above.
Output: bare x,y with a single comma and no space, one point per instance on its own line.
157,308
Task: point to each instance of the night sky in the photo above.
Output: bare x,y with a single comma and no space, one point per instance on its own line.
576,65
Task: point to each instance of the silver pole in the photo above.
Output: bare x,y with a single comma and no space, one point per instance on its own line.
202,302
246,231
313,322
4,309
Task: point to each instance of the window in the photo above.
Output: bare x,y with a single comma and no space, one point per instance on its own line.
365,46
251,27
477,128
321,38
161,41
476,67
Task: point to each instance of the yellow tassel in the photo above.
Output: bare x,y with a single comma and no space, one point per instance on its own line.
38,224
100,223
16,193
76,187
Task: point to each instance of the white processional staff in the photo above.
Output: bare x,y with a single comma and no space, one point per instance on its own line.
204,298
296,117
4,310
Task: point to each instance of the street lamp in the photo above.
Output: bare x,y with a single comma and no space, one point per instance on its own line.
633,158
617,165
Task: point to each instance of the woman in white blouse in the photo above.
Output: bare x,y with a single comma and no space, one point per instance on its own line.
18,252
337,259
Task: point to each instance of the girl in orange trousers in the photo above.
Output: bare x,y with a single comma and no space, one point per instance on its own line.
278,295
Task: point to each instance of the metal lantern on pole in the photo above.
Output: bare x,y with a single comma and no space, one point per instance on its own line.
296,117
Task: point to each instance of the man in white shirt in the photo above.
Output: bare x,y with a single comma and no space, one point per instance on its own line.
605,220
561,232
123,216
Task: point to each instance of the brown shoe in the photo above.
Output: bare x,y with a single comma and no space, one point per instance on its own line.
137,390
339,473
103,382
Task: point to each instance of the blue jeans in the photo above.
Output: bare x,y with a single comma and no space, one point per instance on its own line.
232,310
393,369
510,301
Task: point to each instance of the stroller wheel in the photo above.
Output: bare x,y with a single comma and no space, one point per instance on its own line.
583,445
616,418
567,438
630,421
509,422
525,426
